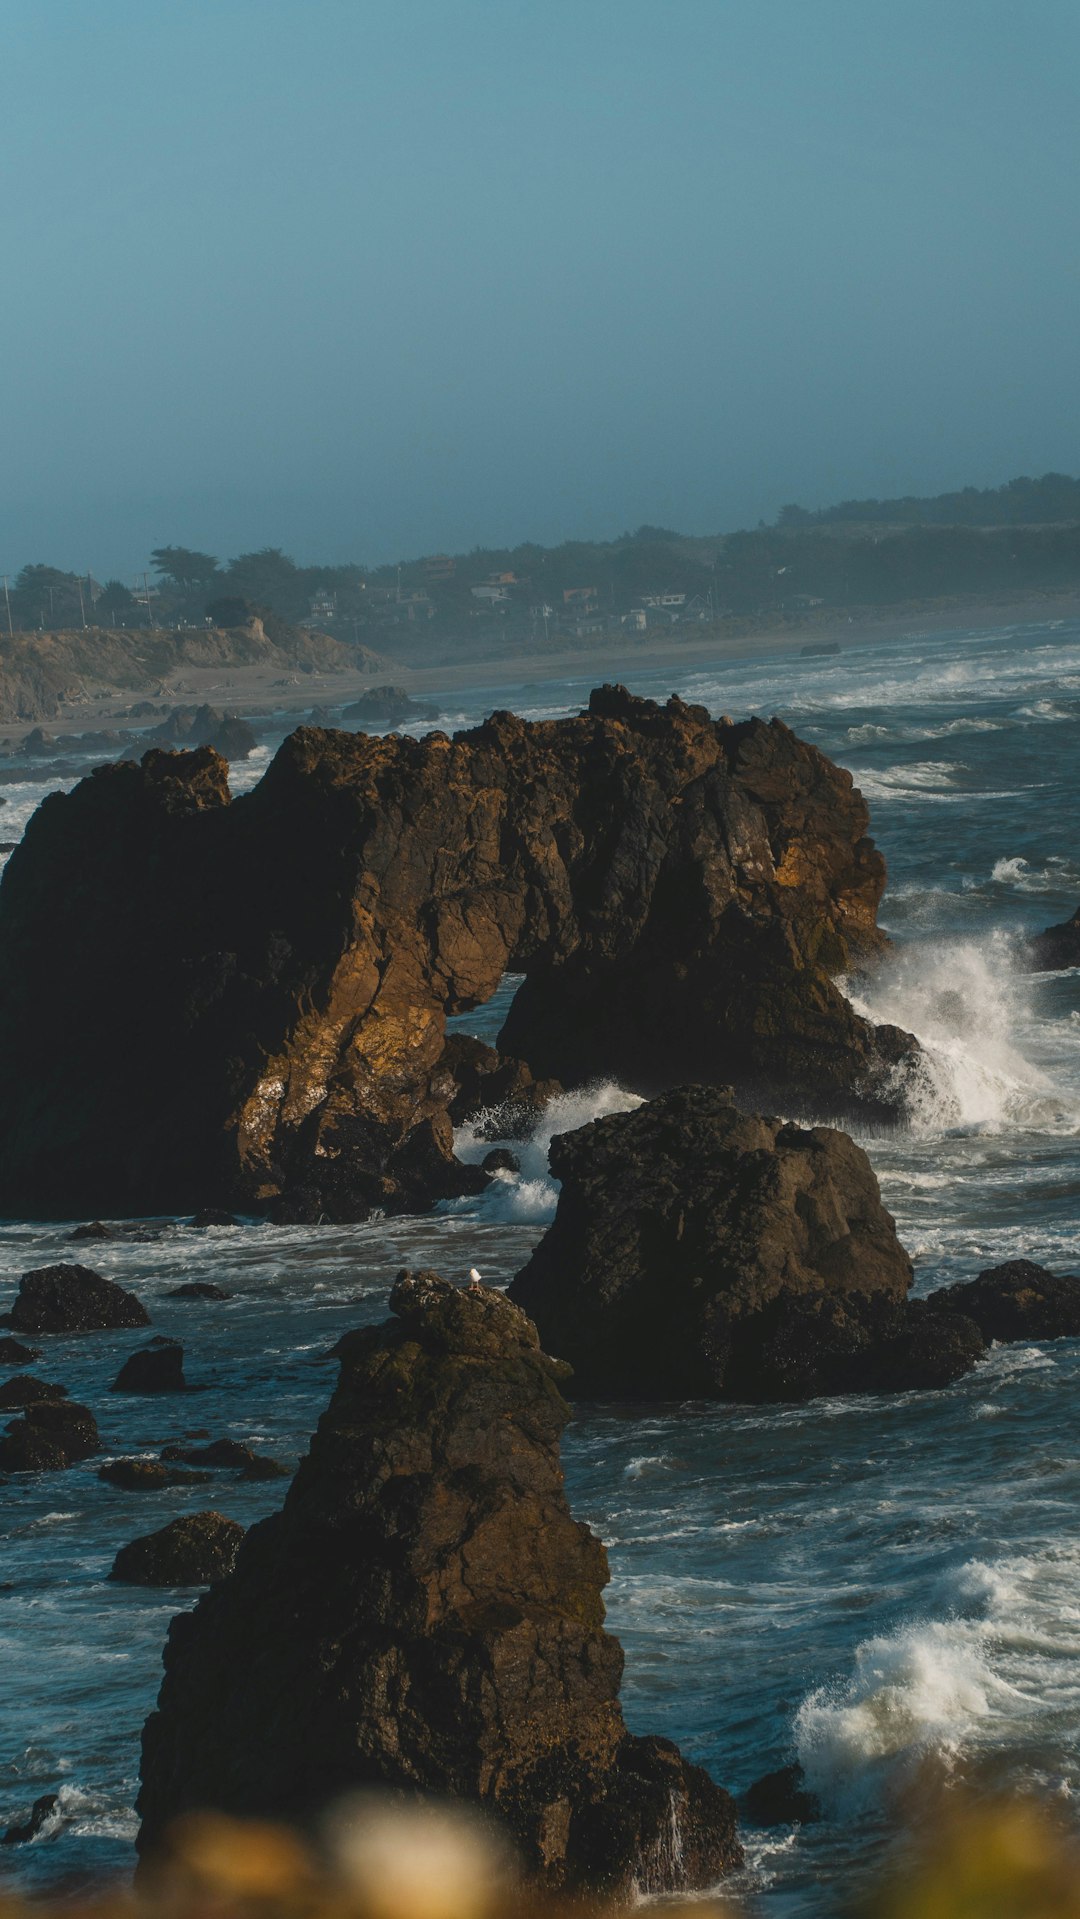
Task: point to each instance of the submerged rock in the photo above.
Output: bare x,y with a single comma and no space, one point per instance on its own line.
679,893
192,1551
213,1216
94,1229
52,1434
72,1299
1016,1301
228,1455
424,1614
698,1250
781,1798
157,1368
198,1289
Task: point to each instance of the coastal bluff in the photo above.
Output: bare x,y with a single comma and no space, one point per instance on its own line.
243,1003
425,1615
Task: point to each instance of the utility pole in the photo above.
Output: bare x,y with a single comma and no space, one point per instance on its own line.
7,603
82,608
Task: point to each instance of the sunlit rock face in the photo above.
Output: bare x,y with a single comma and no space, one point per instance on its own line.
206,1001
425,1614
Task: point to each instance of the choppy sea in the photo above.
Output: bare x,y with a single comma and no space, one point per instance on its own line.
887,1589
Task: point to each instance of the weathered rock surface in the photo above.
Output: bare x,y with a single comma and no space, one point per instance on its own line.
1056,947
72,1299
157,1368
678,892
1016,1301
425,1614
195,1550
697,1250
230,736
51,1434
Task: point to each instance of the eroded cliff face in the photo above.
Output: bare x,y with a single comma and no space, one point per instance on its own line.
425,1614
244,1003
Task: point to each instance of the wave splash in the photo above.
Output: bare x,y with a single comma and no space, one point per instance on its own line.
532,1194
971,1009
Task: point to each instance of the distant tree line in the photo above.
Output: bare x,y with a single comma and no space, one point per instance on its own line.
1023,537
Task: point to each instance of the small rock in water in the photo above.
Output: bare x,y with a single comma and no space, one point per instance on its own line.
52,1434
228,1455
25,1390
213,1216
500,1160
94,1229
781,1799
198,1289
41,1810
72,1299
1016,1301
147,1476
14,1353
192,1551
158,1368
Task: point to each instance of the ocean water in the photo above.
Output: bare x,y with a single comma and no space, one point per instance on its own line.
888,1588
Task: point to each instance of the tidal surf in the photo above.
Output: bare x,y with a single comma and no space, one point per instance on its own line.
887,1589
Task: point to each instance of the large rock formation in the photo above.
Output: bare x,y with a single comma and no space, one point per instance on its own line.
678,892
72,1299
425,1614
697,1250
191,1551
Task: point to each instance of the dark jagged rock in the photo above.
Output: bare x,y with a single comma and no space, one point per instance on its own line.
147,1475
387,706
198,1289
157,1368
14,1353
697,1250
679,894
94,1229
213,1216
800,1348
781,1799
40,1813
52,1434
1057,947
72,1299
424,1614
193,1551
25,1390
1016,1301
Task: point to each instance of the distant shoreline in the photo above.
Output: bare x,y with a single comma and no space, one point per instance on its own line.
258,690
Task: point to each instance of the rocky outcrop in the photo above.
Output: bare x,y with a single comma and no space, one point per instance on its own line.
14,1353
1016,1301
156,1368
25,1390
72,1299
38,1817
700,1251
387,706
678,892
193,1551
148,1475
51,1434
1057,947
197,1289
229,735
228,1455
424,1614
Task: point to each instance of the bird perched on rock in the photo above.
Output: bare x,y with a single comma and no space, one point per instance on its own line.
475,1282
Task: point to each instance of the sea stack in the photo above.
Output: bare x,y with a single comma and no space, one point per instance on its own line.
425,1614
679,892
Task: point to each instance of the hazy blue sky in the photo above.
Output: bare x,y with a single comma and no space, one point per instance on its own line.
368,278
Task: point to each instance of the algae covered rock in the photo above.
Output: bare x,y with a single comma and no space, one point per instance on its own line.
425,1614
